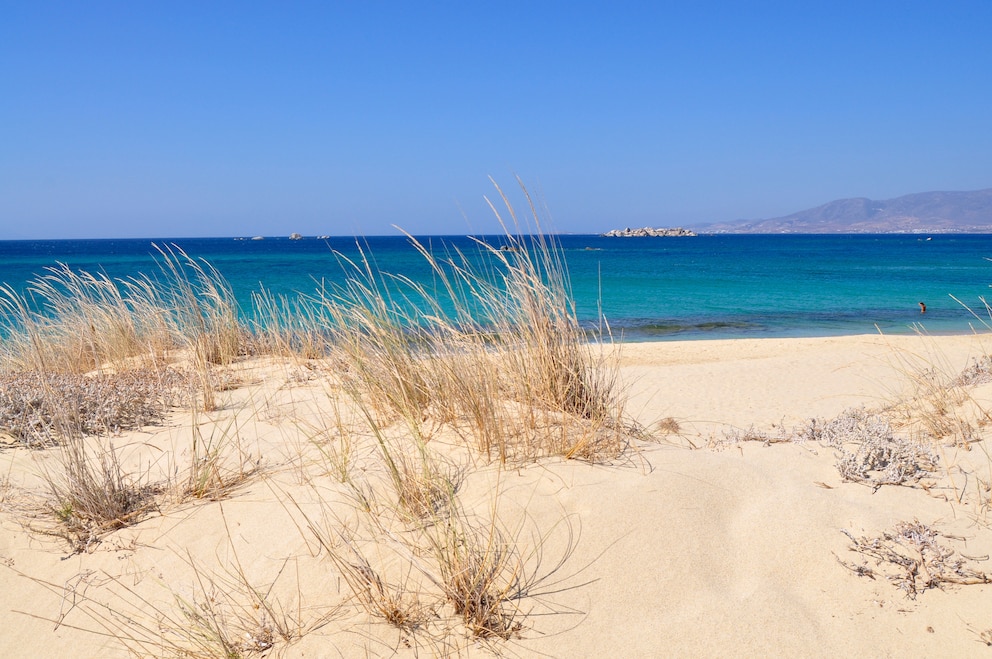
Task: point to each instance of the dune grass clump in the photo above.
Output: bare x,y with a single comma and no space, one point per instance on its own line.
933,411
291,326
425,485
408,575
206,310
74,323
416,557
940,406
396,602
493,350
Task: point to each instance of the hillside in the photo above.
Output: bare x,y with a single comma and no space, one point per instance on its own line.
924,212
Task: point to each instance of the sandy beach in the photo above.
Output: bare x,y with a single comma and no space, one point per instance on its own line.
719,532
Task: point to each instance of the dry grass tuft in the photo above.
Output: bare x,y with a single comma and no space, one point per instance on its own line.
934,412
218,463
417,558
940,407
218,616
396,603
426,484
911,557
397,599
668,426
481,571
90,495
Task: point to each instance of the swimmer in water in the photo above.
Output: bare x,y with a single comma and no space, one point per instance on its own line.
923,308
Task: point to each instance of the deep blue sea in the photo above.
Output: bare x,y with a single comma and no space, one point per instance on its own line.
719,286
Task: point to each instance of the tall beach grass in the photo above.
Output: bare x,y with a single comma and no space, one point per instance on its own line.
490,355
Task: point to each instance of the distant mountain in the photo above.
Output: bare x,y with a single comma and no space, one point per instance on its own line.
924,212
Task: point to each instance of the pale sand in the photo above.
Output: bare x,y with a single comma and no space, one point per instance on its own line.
727,550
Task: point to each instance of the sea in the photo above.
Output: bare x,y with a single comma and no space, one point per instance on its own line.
640,289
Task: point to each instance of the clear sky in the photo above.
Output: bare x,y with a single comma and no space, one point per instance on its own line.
174,119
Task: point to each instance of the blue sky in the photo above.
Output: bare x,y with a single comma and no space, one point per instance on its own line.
170,119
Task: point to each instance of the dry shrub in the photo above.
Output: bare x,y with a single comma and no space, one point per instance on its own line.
870,451
911,557
41,408
979,371
855,425
734,436
888,460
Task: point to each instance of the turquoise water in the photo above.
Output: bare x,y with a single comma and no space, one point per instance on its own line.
720,286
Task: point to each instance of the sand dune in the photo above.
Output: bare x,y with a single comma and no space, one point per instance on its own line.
694,543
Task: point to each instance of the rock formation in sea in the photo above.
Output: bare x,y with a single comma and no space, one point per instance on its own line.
648,232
